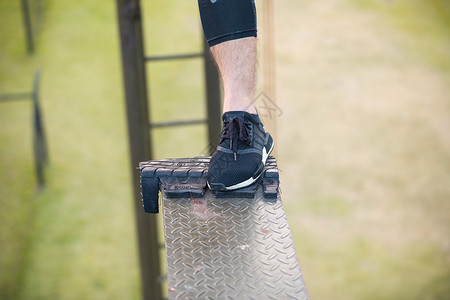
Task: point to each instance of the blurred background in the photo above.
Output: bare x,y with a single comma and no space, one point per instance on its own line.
363,144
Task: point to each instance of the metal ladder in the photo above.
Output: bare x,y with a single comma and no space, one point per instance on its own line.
139,127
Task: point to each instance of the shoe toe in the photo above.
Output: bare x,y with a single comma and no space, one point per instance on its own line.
224,171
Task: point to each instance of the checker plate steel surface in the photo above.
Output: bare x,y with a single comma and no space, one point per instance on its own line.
230,248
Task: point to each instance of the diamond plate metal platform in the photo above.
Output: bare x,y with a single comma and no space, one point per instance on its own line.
232,247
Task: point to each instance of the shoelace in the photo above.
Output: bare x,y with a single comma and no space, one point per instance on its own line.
236,129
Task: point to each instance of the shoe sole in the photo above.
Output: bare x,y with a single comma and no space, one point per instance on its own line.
221,187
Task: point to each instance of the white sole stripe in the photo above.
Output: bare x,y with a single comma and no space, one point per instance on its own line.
251,180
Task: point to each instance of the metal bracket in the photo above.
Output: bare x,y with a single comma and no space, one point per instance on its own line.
186,178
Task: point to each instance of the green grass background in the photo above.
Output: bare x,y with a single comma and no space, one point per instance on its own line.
363,145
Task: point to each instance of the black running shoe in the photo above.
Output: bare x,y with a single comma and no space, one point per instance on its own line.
241,154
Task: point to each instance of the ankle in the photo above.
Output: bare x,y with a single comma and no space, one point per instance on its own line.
241,105
249,110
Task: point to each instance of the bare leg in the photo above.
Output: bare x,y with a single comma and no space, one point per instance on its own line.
236,60
230,29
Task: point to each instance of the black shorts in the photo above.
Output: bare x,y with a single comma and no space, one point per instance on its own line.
225,20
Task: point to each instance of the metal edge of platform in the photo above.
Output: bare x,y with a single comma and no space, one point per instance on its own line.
186,177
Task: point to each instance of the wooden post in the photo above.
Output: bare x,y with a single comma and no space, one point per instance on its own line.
269,87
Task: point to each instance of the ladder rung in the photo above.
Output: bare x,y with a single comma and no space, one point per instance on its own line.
16,96
174,56
177,123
